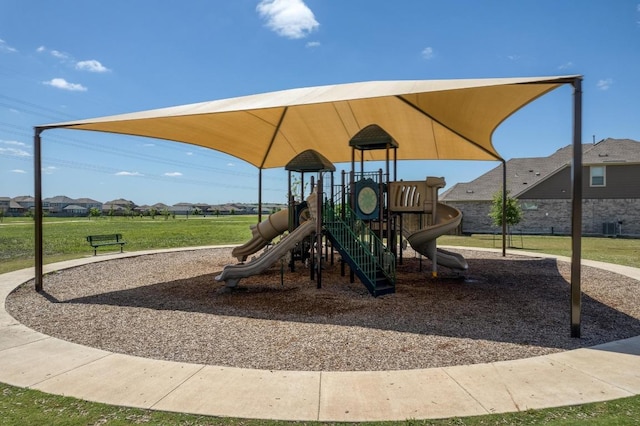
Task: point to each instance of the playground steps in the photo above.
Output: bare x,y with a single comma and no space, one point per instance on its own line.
360,260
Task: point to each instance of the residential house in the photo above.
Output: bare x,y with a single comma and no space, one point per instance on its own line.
26,201
88,203
75,210
57,204
611,195
118,207
16,209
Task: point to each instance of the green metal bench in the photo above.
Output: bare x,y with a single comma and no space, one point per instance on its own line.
105,240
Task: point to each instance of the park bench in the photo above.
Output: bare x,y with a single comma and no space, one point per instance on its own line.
105,240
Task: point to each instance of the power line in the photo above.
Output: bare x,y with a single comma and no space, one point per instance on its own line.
89,146
112,171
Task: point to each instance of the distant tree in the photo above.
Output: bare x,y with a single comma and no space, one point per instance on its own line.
1,215
296,189
94,212
165,213
513,212
112,211
153,212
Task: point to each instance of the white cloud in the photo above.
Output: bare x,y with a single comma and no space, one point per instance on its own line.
4,47
604,84
48,170
313,44
14,143
427,53
149,144
189,153
230,165
14,152
566,65
18,171
61,83
129,174
59,55
288,18
513,57
173,174
91,65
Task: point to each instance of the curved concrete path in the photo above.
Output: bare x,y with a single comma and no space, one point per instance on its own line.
34,360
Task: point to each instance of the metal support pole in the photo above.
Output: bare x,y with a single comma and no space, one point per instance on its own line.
343,213
259,195
37,177
504,208
312,255
319,231
576,212
333,208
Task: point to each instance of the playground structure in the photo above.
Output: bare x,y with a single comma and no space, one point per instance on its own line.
364,218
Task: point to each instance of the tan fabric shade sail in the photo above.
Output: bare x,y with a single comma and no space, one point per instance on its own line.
429,119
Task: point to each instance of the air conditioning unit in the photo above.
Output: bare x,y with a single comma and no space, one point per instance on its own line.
610,229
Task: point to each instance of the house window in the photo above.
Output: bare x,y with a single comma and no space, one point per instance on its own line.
598,176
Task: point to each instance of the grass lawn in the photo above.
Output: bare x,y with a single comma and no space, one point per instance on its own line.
65,239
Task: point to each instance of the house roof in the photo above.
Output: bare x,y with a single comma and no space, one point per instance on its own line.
60,199
23,198
87,201
524,173
74,207
612,151
15,205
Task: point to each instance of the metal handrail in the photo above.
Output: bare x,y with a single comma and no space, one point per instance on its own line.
367,251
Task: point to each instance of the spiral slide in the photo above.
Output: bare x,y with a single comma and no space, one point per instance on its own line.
262,234
424,240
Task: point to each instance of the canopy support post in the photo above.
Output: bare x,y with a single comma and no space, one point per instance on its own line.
260,195
576,212
504,208
37,179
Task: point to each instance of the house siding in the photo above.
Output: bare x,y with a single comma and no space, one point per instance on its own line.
549,216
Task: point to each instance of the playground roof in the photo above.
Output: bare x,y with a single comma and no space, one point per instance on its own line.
428,119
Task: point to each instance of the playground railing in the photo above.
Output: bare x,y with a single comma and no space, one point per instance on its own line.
363,246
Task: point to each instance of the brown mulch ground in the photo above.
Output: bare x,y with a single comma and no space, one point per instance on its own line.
168,306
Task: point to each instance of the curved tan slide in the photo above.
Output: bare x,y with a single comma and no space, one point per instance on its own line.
263,233
424,240
231,274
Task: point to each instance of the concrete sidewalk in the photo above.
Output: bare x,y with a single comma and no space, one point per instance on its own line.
34,360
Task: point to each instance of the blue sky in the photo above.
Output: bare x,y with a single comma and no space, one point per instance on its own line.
74,59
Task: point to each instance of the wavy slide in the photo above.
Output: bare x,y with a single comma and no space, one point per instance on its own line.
262,234
424,240
232,274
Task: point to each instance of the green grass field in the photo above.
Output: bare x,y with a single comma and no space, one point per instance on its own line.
65,239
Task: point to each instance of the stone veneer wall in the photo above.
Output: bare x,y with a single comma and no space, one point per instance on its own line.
554,216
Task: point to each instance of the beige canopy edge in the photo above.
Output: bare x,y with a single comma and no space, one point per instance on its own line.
429,119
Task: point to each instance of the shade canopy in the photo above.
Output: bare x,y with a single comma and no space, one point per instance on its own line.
428,119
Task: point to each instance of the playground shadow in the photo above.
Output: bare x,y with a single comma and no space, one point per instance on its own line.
523,301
